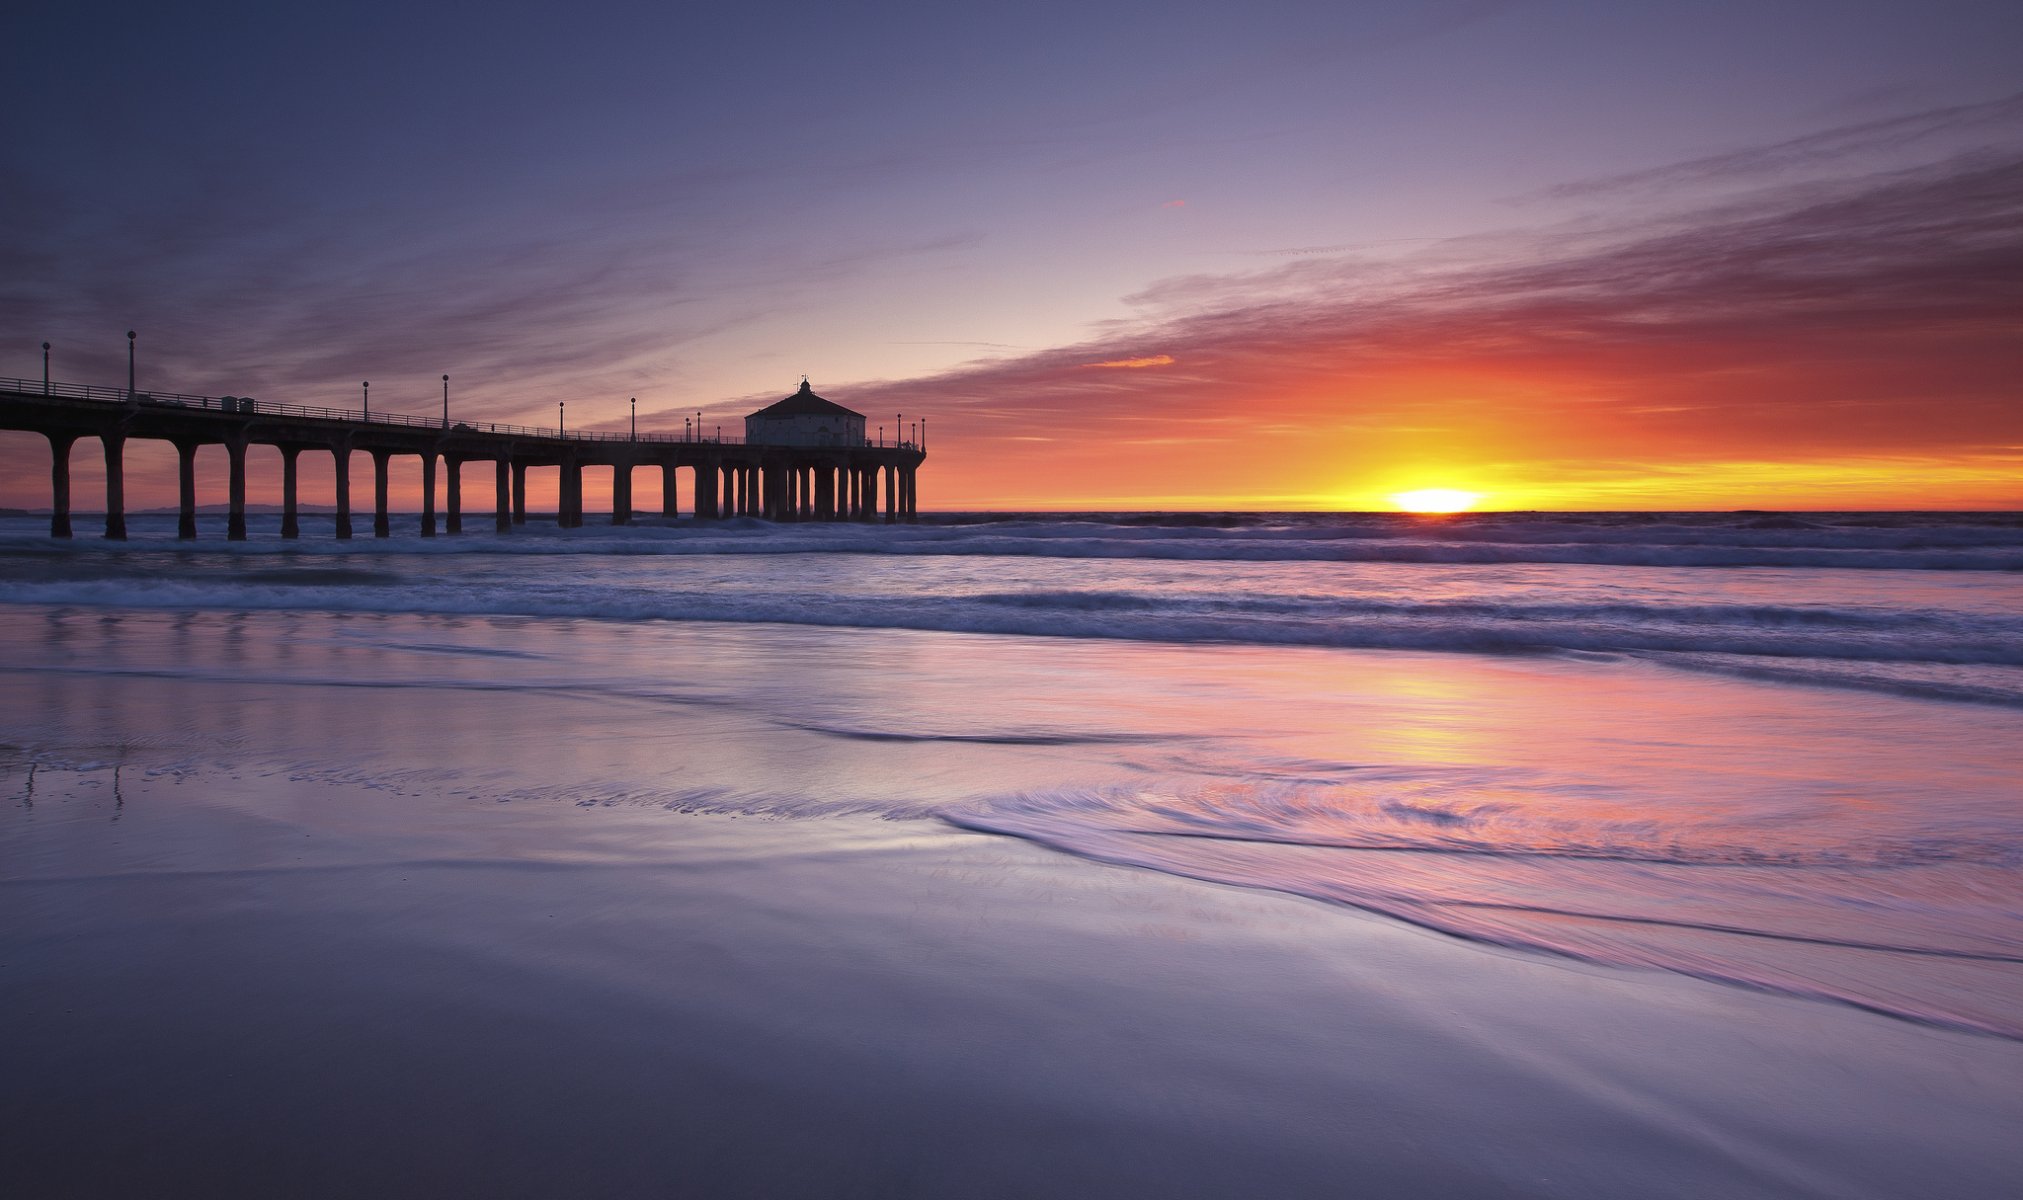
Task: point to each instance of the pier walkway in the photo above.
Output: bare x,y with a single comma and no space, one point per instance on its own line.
730,476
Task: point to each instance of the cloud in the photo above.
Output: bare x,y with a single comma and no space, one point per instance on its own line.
1864,139
1868,317
1133,364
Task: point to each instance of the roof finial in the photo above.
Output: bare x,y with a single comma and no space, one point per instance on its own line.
804,383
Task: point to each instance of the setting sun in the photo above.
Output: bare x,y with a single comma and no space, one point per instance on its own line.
1436,500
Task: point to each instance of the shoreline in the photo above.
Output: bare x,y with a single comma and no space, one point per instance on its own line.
945,1012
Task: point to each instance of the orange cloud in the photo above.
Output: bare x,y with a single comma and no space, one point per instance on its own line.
1132,364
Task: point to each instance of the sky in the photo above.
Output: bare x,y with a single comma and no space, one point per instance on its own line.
1121,256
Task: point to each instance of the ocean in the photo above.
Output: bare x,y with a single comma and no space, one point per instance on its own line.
1776,755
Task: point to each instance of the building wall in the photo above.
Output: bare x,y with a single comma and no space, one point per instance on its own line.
832,430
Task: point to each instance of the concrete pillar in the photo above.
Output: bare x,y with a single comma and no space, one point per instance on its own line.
381,527
891,493
186,491
291,525
519,493
59,483
428,493
115,485
670,492
235,518
705,490
504,490
621,494
910,483
571,515
453,485
340,458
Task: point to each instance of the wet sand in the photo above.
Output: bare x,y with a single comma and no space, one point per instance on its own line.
269,932
247,986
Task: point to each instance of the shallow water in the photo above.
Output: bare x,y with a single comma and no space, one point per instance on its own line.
1926,605
1860,847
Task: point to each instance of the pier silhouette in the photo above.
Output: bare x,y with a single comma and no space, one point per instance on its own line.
843,478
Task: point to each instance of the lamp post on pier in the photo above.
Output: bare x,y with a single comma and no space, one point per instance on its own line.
635,418
685,430
45,368
562,416
446,402
367,386
129,364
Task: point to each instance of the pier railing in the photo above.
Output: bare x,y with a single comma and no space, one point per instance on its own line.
248,406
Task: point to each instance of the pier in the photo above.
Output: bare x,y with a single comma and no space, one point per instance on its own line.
851,479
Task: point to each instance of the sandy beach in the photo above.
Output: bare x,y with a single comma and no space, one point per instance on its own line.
402,929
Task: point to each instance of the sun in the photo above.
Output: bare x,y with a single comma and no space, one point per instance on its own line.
1436,500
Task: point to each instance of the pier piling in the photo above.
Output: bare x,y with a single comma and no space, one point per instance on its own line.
291,526
114,442
381,526
59,482
186,489
428,494
235,521
340,457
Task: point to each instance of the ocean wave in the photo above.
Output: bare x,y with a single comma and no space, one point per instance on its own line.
1953,655
1980,544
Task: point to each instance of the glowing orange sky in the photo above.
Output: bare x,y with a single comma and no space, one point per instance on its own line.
1850,344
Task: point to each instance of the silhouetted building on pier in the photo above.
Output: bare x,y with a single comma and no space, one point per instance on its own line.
805,419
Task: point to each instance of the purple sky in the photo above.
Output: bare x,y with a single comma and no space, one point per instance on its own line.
954,210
